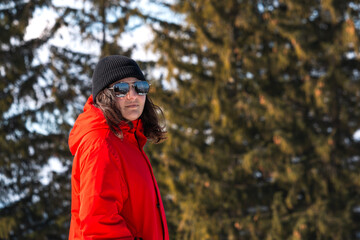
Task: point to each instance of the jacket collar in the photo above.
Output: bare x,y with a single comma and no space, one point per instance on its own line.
136,130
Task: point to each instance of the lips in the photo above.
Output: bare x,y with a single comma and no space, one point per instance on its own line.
132,106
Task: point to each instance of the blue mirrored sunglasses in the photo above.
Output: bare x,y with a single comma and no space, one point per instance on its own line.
122,88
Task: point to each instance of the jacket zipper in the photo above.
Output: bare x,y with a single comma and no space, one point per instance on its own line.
156,191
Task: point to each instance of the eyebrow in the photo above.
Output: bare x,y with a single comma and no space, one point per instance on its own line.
129,81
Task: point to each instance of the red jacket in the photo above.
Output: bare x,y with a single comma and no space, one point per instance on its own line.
114,191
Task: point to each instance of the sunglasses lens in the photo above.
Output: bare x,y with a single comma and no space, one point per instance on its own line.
121,89
142,87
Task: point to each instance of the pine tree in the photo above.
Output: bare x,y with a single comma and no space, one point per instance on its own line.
26,205
38,103
262,118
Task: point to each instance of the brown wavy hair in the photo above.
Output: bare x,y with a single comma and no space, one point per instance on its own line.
152,117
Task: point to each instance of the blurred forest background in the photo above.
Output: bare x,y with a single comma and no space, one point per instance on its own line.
261,97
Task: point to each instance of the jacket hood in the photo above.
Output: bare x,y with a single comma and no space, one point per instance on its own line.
93,119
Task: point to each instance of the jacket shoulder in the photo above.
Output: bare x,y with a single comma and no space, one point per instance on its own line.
97,147
93,140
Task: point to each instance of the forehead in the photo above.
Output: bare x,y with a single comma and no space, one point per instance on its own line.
128,80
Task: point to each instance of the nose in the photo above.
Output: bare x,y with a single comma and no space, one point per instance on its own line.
132,93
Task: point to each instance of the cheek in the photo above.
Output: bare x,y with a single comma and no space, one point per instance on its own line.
143,101
142,104
119,104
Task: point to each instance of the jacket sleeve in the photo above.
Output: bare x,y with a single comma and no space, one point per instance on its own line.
102,195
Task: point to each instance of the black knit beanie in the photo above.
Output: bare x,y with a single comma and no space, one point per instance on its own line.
111,69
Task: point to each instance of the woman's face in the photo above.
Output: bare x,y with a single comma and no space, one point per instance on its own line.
132,105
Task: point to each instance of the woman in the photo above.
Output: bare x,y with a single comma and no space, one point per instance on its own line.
114,191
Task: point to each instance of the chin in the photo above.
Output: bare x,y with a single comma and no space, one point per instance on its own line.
132,118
